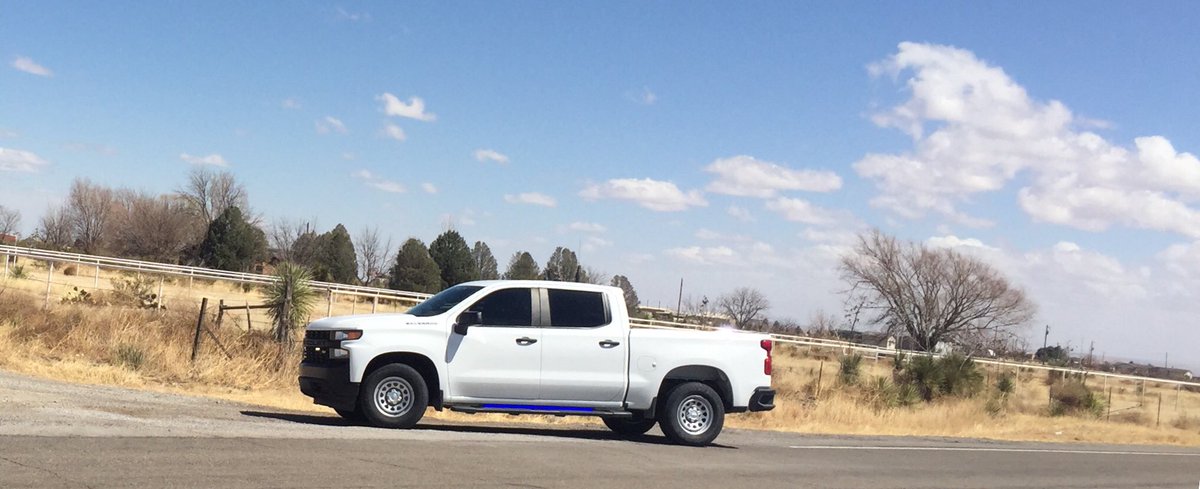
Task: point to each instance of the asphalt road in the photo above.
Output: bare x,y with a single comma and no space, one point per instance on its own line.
71,436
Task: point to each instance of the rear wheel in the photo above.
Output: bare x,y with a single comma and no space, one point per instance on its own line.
629,427
692,414
393,396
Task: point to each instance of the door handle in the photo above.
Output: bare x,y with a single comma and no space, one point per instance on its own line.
609,343
525,341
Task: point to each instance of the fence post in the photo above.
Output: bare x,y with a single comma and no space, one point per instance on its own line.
1178,387
49,276
248,326
820,373
375,303
1158,422
199,324
96,279
161,300
1142,394
1108,417
6,258
220,312
329,309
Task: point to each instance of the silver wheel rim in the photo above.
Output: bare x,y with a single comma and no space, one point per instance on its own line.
393,396
695,414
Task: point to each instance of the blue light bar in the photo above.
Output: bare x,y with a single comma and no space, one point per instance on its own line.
523,407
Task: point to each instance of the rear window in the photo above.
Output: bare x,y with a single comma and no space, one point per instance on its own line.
577,309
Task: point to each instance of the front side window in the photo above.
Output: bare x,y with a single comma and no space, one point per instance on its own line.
443,301
507,307
577,309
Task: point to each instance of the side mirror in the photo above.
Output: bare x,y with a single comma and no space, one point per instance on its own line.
467,319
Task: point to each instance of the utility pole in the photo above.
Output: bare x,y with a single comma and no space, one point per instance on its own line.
1046,338
679,305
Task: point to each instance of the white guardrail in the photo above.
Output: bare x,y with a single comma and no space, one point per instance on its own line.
389,294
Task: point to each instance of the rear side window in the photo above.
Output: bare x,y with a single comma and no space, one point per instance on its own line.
508,307
577,309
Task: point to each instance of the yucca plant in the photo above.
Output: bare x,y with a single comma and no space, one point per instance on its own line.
848,368
291,298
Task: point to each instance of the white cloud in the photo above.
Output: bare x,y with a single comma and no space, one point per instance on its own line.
22,63
290,104
703,255
485,155
94,148
655,195
330,124
710,235
748,177
740,213
429,188
975,130
952,241
392,131
533,198
800,210
212,159
349,156
593,243
375,181
644,97
20,161
342,14
414,109
587,227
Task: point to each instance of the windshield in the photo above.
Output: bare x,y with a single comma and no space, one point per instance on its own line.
443,301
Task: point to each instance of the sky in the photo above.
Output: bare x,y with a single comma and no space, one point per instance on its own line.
724,145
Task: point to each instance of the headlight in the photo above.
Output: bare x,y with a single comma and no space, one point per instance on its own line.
338,354
347,335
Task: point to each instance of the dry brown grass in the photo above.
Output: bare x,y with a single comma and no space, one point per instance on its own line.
150,349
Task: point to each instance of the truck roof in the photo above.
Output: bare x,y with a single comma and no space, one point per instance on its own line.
541,283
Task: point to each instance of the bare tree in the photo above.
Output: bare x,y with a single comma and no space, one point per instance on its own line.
89,206
822,324
744,306
282,236
54,230
9,220
374,255
208,193
153,227
933,295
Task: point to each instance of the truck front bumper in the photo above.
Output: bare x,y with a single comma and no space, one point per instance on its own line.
763,399
329,384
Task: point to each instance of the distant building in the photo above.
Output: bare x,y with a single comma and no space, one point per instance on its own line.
8,239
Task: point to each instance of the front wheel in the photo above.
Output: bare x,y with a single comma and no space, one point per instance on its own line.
393,396
629,427
692,414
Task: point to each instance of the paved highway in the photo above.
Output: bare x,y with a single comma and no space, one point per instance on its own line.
63,435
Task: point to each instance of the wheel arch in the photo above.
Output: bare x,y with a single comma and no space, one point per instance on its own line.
421,363
705,374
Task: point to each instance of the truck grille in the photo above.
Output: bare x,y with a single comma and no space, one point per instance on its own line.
317,345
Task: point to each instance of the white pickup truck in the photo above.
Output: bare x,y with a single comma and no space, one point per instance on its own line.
535,347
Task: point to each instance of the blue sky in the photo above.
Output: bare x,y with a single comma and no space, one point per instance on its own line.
580,103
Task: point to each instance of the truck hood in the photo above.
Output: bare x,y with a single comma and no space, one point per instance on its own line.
369,322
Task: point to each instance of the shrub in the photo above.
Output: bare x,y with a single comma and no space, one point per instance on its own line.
1184,422
849,367
960,375
130,356
137,291
1072,397
924,374
1006,385
78,296
995,406
69,270
18,271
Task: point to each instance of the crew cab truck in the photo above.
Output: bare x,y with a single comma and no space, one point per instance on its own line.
535,347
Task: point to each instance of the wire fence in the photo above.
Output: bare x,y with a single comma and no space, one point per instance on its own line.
59,277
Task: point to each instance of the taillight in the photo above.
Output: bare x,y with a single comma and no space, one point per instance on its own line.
766,345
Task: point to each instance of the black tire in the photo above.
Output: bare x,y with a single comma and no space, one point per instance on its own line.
629,427
693,414
393,396
353,416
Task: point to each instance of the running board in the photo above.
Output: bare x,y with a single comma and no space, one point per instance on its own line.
543,410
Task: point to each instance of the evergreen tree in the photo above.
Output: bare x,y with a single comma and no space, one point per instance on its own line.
337,256
231,243
522,267
485,263
415,270
631,298
564,267
453,257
